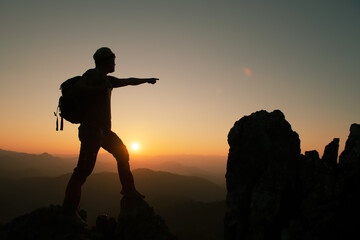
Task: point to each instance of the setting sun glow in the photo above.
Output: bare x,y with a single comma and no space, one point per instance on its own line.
135,146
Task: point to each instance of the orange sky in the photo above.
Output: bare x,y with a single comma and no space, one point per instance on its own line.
217,61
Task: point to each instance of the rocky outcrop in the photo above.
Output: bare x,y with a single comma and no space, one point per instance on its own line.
348,185
43,223
331,152
137,220
274,192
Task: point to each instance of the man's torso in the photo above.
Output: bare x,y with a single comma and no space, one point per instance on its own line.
97,107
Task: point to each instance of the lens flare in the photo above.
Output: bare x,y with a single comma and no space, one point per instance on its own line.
247,72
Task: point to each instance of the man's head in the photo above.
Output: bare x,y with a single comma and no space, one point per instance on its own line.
105,59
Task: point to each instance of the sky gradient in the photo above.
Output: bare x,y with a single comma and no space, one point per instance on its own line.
216,60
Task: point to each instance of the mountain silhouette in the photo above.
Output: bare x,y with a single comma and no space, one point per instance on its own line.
186,203
19,165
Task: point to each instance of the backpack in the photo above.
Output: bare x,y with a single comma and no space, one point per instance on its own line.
69,107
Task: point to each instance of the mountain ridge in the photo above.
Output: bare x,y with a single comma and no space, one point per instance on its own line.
175,197
19,165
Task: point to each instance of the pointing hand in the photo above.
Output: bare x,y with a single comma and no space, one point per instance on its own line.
152,80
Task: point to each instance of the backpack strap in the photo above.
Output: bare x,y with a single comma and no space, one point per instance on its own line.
57,120
62,124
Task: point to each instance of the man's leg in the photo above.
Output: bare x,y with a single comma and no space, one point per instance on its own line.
113,144
87,158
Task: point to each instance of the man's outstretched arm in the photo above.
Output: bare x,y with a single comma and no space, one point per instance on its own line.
122,82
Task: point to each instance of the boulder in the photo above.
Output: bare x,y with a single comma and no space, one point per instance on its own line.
262,162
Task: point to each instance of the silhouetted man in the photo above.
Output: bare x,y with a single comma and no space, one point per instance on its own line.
95,89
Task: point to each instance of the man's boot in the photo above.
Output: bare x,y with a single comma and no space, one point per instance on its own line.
127,181
71,216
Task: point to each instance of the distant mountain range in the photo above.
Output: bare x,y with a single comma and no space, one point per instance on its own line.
193,207
19,165
216,175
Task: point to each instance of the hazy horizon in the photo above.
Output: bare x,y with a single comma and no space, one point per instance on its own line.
14,163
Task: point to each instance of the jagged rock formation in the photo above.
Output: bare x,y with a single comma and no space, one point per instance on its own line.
348,185
137,220
274,192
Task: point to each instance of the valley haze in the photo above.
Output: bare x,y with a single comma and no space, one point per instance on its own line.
14,164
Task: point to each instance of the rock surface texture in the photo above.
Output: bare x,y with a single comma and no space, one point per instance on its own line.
275,192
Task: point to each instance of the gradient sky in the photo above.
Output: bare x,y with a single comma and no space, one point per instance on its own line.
217,61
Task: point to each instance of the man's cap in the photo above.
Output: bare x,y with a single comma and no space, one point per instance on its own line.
103,53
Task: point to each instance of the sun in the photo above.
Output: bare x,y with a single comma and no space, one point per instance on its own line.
135,146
